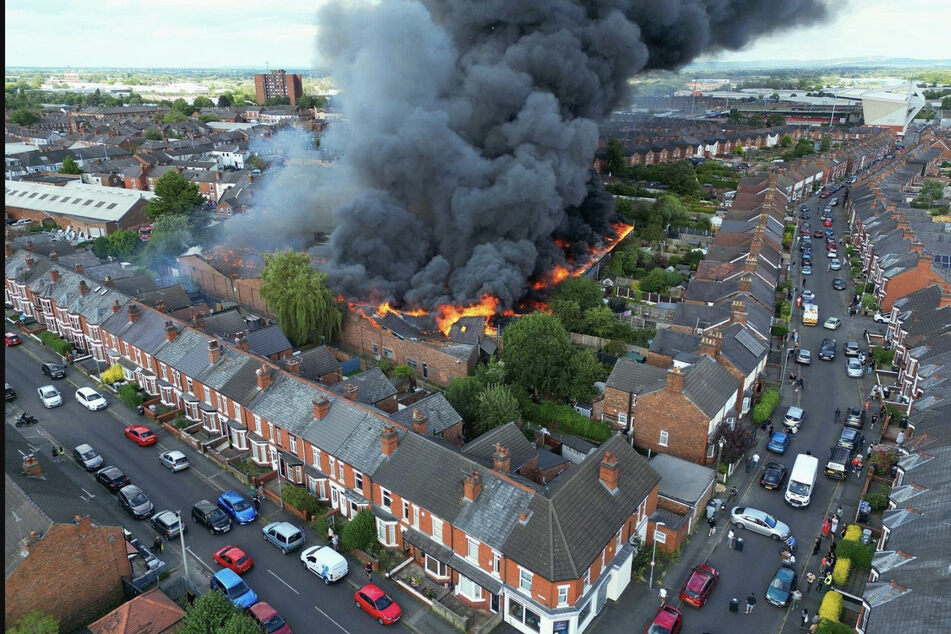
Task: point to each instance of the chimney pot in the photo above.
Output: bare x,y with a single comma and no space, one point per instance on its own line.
501,460
472,485
214,352
134,313
108,281
83,288
29,245
390,439
241,340
160,306
263,376
609,472
30,262
321,407
116,307
420,424
79,268
351,391
293,365
54,256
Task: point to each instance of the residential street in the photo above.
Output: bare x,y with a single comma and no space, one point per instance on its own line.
826,386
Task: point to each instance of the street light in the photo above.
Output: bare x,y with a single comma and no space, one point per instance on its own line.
181,536
650,583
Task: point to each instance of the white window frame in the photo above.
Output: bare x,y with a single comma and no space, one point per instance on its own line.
405,510
622,418
437,528
357,480
469,588
525,579
315,456
386,499
664,438
293,443
586,580
440,572
472,545
563,596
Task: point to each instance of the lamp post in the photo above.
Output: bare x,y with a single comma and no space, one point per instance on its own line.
650,583
181,536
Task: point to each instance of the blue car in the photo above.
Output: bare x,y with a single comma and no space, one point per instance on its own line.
778,443
238,508
781,587
233,587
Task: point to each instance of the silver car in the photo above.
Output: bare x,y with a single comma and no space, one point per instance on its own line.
854,368
49,396
135,501
174,460
758,522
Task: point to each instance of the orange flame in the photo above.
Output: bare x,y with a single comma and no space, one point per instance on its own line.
448,315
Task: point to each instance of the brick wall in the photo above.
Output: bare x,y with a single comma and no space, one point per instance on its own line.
616,402
669,410
906,283
72,573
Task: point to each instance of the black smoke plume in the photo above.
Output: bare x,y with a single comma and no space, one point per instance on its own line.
472,126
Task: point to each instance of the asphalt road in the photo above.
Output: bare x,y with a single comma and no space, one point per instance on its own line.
305,602
826,387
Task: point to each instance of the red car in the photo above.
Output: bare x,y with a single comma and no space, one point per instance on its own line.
268,618
11,339
827,222
825,195
372,600
234,558
667,621
699,585
141,435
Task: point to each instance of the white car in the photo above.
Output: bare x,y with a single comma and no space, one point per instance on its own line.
174,460
879,318
759,522
49,396
91,399
853,367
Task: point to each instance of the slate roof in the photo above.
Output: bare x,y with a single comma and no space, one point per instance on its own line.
373,385
742,348
225,324
242,385
636,378
509,436
174,297
317,362
440,414
188,353
680,479
268,340
708,385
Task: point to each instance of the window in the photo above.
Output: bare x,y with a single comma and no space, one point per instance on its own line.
469,589
405,510
617,539
622,418
584,614
315,456
436,567
412,363
416,516
562,596
333,465
437,529
472,550
357,480
341,472
189,386
293,444
376,349
710,450
663,439
524,580
586,580
496,559
387,353
386,499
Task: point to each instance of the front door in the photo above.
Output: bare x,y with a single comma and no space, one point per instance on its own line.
494,603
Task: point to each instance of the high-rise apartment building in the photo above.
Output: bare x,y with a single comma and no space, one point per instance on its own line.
278,83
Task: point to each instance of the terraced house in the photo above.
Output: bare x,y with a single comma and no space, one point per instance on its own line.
543,557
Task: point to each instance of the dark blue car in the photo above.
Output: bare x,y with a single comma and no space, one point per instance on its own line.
778,443
781,587
237,507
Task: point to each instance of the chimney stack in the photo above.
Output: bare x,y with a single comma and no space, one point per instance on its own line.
675,380
241,340
351,391
54,256
321,407
264,376
390,440
738,312
30,262
501,460
8,249
609,472
32,467
116,307
170,331
472,485
29,245
160,306
420,424
750,265
54,275
710,344
293,365
134,313
108,281
214,352
746,283
79,268
83,288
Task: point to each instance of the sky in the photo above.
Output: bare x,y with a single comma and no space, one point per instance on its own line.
280,34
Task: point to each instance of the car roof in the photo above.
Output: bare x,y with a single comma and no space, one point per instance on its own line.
83,447
282,527
110,469
372,590
164,516
130,489
205,505
785,573
262,610
174,453
794,410
228,577
231,495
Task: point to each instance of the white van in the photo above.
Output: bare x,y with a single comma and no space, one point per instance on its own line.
802,480
325,562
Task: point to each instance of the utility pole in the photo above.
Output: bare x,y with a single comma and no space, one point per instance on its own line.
181,535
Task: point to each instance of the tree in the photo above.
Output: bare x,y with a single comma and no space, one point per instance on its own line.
224,100
171,236
207,117
669,212
585,371
180,105
655,281
100,247
786,141
174,116
774,96
615,159
175,194
312,101
586,292
569,313
496,406
202,102
35,622
463,394
825,144
360,532
70,166
24,117
278,101
735,441
214,613
299,296
256,162
600,322
123,243
537,354
775,121
153,135
739,151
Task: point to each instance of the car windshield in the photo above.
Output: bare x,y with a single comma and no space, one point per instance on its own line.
240,505
88,455
139,499
779,584
657,629
216,516
50,393
798,488
274,623
238,590
383,602
145,433
240,561
770,521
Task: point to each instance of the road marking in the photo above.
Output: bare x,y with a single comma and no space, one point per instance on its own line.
329,618
199,559
271,572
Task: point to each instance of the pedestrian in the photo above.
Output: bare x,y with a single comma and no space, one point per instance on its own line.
749,463
867,403
838,413
257,502
834,527
157,544
810,579
900,439
663,596
368,568
827,581
868,370
826,525
865,334
843,531
729,538
335,542
330,533
750,602
796,597
755,460
817,545
802,384
838,512
822,563
874,419
770,430
804,618
868,452
712,523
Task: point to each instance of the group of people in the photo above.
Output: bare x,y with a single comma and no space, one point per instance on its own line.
57,453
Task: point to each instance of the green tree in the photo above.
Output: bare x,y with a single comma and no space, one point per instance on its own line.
655,281
738,151
100,247
153,135
278,101
403,371
360,532
826,143
786,141
180,105
35,622
586,292
615,159
775,121
669,211
214,613
224,100
203,102
569,313
24,117
585,370
171,236
463,394
174,116
497,406
312,101
774,96
537,353
299,296
175,194
207,117
600,322
70,166
256,162
123,243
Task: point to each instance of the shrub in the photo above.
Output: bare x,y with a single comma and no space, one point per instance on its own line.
859,554
55,342
882,356
360,532
130,395
834,627
779,330
853,533
567,420
767,403
831,606
841,570
877,501
301,499
112,375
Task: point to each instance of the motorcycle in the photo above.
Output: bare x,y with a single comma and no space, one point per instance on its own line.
26,419
790,544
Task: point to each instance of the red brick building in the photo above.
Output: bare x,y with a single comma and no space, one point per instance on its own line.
278,83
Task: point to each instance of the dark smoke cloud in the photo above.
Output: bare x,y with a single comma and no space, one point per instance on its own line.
472,125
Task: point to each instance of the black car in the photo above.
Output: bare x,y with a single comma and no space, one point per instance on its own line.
838,284
827,349
848,438
54,370
211,517
112,478
804,215
855,418
774,474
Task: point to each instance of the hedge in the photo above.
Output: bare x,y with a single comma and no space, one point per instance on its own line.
853,533
860,554
831,606
834,627
877,501
300,498
360,532
841,569
767,403
568,420
130,395
55,342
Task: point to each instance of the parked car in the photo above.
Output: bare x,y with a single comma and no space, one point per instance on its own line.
237,507
803,356
855,417
9,393
268,618
827,349
11,339
91,399
853,368
325,562
135,501
233,558
372,600
806,269
807,297
832,253
852,348
817,233
232,586
807,259
211,517
835,264
848,438
838,463
112,478
780,588
54,370
284,535
773,476
699,585
827,222
174,460
167,524
838,284
778,443
141,435
879,318
668,620
758,522
793,418
88,457
49,396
